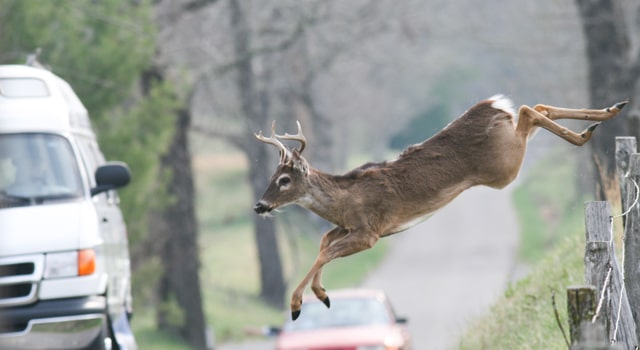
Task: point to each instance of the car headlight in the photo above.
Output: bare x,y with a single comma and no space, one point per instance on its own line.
70,264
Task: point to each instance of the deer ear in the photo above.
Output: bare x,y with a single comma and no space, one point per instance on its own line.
299,163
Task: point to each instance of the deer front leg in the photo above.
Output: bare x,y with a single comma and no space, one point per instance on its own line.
354,241
316,285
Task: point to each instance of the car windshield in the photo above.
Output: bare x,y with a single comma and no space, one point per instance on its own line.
35,168
347,312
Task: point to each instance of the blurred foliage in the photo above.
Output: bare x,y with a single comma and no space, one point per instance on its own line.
99,47
432,119
421,127
139,135
102,48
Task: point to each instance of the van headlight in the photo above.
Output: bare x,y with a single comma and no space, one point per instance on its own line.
70,264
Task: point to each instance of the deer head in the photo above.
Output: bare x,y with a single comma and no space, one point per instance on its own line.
288,182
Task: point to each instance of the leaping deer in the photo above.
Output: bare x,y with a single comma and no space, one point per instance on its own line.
485,146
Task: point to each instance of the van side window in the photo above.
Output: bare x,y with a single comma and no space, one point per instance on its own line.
88,159
93,158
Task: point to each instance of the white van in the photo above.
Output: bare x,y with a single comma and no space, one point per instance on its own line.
65,280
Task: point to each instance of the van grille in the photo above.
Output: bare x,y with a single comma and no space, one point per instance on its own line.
15,290
19,278
16,269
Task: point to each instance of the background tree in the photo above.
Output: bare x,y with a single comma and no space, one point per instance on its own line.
612,48
180,309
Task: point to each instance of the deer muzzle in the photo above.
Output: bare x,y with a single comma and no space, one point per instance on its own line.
262,207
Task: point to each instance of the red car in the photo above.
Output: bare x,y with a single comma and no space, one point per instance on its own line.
358,319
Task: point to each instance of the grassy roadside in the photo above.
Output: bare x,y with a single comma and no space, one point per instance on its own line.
552,224
524,317
230,271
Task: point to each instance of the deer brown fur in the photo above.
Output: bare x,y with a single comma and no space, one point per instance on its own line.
485,146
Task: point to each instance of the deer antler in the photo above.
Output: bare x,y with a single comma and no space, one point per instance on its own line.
273,140
297,137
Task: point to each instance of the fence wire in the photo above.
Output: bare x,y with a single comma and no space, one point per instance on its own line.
608,277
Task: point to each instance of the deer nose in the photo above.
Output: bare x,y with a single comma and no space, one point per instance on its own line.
261,207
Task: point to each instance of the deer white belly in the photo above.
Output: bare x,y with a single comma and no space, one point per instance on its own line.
410,223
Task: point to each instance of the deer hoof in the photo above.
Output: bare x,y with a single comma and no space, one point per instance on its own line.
586,135
593,127
295,314
620,105
327,302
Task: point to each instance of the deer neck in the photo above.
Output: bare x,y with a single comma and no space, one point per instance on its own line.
322,195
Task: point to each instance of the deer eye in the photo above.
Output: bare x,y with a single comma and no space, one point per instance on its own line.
283,181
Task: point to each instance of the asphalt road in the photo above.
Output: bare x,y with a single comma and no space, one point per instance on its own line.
447,271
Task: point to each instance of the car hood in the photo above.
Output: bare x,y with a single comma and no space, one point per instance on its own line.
344,337
48,228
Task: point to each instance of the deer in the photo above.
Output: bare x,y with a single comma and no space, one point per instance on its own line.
484,146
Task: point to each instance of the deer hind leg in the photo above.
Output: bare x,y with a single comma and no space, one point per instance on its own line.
316,284
352,242
554,113
543,116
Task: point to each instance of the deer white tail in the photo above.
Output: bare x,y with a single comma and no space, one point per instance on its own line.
502,103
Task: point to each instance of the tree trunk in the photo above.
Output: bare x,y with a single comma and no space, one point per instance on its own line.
255,107
180,279
272,284
613,73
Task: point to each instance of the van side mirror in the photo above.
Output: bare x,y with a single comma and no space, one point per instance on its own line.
110,176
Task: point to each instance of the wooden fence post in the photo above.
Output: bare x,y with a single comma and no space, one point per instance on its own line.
598,231
632,249
628,169
625,147
585,334
592,336
581,306
596,270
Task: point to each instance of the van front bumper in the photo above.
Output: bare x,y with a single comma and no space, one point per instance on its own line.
73,323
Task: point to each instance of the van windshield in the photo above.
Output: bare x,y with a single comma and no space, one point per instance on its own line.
37,168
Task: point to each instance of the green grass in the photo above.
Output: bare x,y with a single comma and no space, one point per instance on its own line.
230,270
148,337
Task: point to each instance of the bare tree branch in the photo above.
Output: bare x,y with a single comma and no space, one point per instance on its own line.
301,26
